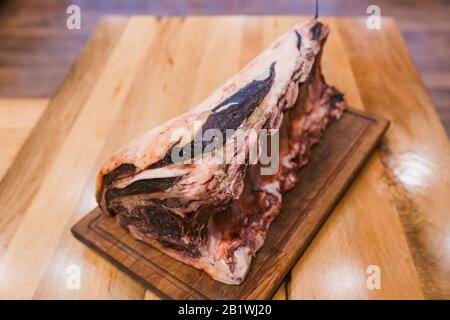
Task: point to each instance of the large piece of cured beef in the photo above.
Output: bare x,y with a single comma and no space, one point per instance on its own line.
216,216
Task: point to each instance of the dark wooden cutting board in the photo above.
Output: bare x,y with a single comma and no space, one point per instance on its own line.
334,163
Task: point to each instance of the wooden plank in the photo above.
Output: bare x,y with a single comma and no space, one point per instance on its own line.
37,49
17,119
39,151
366,228
415,159
119,69
334,163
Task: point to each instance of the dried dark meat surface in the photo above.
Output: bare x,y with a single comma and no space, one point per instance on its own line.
215,216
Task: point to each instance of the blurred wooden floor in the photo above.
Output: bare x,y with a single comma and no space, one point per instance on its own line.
37,50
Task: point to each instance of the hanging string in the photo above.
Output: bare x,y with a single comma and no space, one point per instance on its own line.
317,9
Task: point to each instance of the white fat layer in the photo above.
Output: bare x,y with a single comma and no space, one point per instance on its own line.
273,188
224,107
164,172
287,162
220,270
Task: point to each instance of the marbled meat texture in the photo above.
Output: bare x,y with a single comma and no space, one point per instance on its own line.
211,216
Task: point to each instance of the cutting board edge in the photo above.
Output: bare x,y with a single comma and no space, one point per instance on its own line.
377,131
77,232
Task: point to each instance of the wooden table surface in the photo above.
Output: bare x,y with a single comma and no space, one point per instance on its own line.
37,50
395,217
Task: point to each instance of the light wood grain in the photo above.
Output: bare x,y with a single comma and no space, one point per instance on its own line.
17,119
365,228
395,215
416,158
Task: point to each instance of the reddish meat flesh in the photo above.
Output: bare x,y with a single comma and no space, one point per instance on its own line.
216,216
